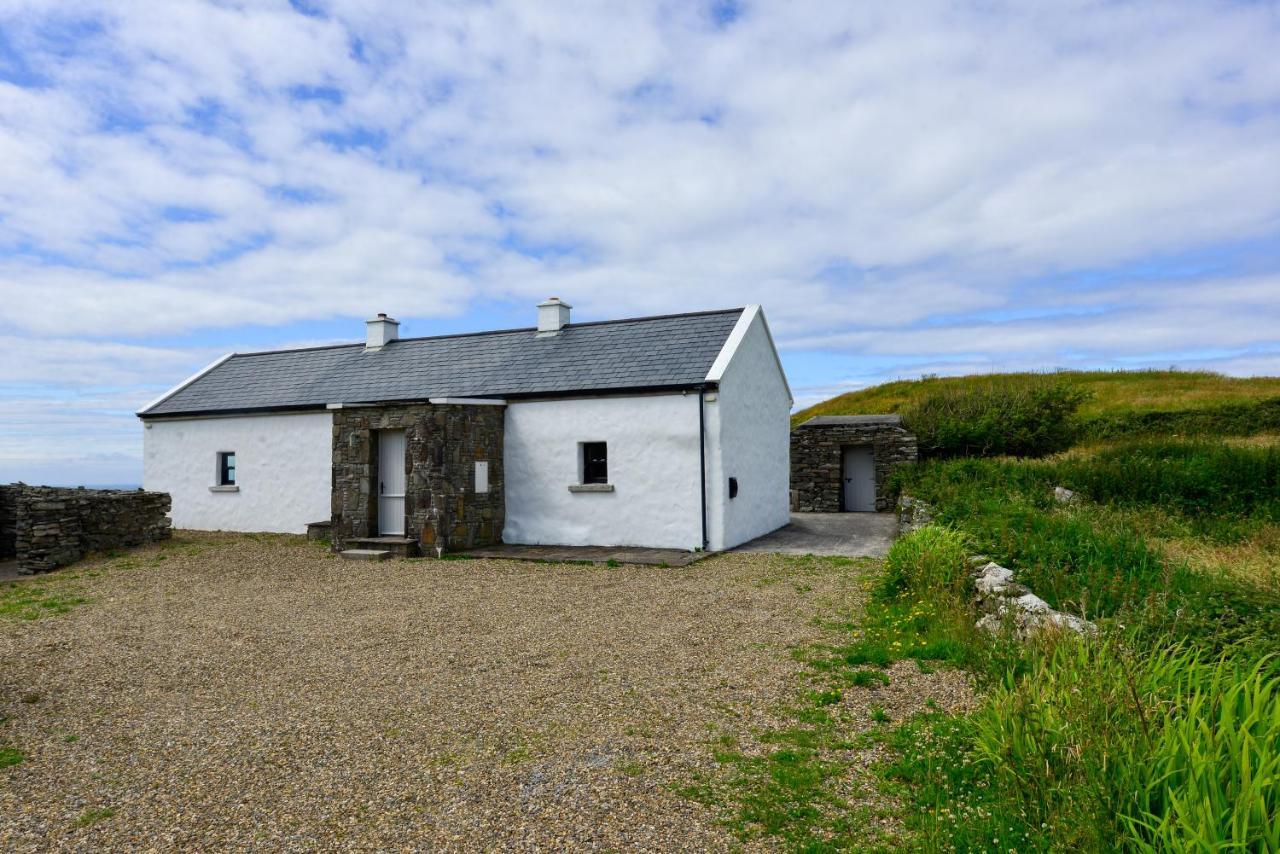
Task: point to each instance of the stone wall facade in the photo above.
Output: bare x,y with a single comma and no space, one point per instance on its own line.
817,458
55,526
442,444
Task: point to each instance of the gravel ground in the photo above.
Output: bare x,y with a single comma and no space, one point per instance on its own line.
225,691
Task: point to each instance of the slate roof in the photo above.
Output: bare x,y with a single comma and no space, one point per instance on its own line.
672,351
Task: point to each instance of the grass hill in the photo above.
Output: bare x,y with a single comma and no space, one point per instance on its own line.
1114,403
1110,392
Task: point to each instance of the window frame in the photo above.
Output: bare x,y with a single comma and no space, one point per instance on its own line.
587,476
224,474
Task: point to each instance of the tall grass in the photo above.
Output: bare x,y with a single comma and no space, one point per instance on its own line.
1154,750
1192,477
1211,777
1163,735
1075,562
932,559
1231,418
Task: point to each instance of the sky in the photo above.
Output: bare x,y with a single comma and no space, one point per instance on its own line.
907,188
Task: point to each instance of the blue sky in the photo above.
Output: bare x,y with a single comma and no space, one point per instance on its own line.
935,187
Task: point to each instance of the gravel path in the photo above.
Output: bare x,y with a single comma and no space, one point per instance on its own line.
226,691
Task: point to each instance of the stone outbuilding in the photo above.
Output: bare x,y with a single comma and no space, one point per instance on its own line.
842,463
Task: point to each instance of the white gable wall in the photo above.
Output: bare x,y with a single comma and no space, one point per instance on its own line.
749,439
653,468
283,470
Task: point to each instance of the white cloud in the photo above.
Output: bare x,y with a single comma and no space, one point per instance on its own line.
891,181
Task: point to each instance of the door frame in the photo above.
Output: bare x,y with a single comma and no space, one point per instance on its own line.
379,486
844,473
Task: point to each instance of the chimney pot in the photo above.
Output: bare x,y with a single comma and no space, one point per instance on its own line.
380,332
553,315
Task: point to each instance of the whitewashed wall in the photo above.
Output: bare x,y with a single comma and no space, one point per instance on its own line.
750,439
653,466
283,465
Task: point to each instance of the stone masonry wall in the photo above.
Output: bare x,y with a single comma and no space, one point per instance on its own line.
817,459
442,445
55,526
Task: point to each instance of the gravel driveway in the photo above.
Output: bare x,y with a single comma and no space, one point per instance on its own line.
239,691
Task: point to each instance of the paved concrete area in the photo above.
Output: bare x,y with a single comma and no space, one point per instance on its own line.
846,534
594,554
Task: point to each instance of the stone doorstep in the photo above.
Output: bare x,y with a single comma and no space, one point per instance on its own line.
365,554
397,546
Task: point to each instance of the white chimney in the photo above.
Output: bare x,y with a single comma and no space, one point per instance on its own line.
553,315
380,331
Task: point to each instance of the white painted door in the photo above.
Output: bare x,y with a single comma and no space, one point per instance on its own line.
391,482
859,478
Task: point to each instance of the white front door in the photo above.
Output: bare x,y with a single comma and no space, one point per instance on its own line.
859,475
391,482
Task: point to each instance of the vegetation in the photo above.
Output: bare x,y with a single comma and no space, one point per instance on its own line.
786,785
1162,733
1028,419
1114,394
93,815
1111,405
31,600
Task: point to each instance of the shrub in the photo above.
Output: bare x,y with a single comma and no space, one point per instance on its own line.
1027,419
932,559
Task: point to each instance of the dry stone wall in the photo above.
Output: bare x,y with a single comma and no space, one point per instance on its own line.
55,526
817,458
442,444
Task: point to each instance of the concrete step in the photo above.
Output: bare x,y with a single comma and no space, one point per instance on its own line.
398,546
365,554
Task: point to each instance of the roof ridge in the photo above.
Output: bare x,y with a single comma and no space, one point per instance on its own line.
484,332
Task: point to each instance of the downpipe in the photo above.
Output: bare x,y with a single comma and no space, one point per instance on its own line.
702,459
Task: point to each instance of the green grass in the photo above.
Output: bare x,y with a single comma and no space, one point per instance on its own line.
10,756
93,816
785,783
1195,478
1113,394
1163,734
32,600
1031,414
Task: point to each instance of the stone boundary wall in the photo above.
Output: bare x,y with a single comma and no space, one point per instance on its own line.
442,444
817,459
54,526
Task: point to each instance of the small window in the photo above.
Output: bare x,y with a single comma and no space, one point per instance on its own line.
226,468
595,462
733,487
482,476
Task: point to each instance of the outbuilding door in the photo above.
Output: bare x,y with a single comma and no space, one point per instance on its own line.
859,478
391,482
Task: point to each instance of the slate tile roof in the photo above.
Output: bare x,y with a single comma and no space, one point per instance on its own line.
648,352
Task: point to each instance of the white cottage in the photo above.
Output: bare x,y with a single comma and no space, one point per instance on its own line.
665,432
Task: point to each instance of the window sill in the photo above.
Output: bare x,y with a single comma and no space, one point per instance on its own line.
591,487
224,489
